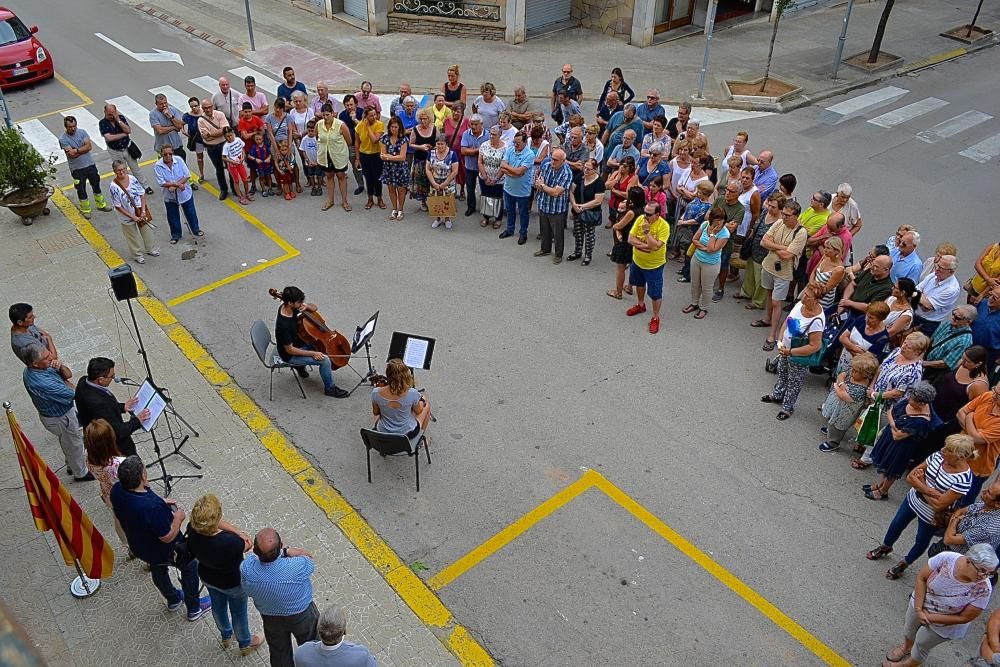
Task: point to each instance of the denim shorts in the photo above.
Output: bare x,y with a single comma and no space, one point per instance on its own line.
651,279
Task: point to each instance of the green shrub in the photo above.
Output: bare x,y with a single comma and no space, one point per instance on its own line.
21,166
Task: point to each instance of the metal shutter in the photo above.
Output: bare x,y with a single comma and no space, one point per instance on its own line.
357,8
540,13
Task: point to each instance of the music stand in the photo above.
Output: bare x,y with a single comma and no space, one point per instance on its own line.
415,351
363,339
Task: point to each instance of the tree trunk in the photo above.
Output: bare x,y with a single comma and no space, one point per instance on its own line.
975,18
770,52
880,32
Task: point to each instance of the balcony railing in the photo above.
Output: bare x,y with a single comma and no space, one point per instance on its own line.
448,9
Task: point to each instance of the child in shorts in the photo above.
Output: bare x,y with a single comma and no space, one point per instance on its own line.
310,149
235,158
284,168
260,158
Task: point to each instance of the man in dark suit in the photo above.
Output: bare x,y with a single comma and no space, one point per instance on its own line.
95,401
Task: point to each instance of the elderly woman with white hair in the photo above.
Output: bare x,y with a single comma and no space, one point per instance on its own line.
654,165
843,202
693,132
952,590
937,485
331,648
907,425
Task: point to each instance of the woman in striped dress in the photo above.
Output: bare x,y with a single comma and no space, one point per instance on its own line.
829,272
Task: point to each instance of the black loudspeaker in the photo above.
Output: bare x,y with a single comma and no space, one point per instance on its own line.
123,283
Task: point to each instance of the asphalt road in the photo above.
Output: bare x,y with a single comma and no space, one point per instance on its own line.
538,377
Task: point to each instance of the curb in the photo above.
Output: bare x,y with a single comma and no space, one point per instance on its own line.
427,606
157,13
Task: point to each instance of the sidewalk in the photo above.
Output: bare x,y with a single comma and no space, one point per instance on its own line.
52,266
803,54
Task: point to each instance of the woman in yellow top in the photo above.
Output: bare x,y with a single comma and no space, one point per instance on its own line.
648,239
987,274
333,154
441,111
369,133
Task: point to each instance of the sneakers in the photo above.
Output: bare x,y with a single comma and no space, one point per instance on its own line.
255,643
636,309
336,392
176,605
829,446
717,296
436,223
155,252
505,234
140,259
204,606
301,370
654,325
447,224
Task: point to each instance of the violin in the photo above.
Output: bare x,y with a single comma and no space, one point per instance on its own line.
313,331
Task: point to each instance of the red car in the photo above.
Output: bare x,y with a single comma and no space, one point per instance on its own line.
23,59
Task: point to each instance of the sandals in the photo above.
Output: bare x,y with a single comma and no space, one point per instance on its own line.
782,416
200,233
484,223
327,206
878,552
858,464
897,570
700,315
769,345
381,204
769,398
870,494
897,654
760,324
628,290
496,224
174,242
346,207
614,295
369,204
750,306
688,309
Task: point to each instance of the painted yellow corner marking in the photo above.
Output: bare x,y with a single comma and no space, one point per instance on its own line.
594,480
84,101
410,588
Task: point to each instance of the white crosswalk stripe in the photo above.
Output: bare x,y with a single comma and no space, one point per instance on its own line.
136,114
263,81
984,151
42,139
207,83
175,97
908,113
89,122
953,126
857,105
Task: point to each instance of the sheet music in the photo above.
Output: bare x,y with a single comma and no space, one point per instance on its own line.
415,352
149,398
368,330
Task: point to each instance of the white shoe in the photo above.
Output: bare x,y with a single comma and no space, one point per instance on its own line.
155,252
436,223
447,224
392,216
140,259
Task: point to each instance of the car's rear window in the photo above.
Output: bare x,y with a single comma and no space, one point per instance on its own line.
12,30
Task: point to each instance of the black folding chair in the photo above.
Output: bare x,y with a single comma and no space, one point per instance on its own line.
260,337
392,444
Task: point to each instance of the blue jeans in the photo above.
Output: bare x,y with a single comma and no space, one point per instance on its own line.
925,532
226,601
325,367
189,582
174,217
517,207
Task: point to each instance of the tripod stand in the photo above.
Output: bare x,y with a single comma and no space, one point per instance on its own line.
363,339
169,411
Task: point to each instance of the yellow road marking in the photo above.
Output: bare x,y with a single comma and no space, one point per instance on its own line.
84,101
290,251
410,588
592,479
508,534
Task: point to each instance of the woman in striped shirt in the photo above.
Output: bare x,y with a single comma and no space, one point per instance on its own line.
938,483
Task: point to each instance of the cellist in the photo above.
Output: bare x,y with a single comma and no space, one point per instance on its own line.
292,349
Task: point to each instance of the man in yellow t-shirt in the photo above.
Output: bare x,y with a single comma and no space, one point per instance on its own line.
648,239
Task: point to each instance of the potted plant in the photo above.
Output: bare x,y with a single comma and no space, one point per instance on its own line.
24,176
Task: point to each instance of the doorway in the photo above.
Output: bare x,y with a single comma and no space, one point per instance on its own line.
670,14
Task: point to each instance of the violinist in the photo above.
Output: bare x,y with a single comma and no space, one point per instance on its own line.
292,349
398,407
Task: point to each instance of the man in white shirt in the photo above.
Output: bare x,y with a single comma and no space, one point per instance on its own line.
332,650
939,292
173,177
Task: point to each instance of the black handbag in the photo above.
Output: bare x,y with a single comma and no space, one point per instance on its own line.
133,150
181,556
590,216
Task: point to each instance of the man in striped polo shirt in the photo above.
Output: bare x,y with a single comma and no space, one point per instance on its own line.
278,578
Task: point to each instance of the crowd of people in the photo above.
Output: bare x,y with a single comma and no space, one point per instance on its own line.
909,351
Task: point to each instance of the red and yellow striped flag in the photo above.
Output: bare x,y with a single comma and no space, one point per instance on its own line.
53,508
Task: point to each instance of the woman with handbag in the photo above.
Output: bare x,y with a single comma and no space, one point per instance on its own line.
128,197
621,253
491,178
800,345
442,171
706,259
585,200
907,424
897,373
936,485
454,127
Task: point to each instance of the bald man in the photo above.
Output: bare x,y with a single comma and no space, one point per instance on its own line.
227,102
117,135
212,126
279,579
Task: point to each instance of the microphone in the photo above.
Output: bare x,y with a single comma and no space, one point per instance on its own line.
125,381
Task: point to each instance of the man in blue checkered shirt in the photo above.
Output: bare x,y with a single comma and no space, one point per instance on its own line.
553,180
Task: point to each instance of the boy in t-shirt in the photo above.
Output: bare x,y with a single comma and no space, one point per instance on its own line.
310,149
260,159
235,159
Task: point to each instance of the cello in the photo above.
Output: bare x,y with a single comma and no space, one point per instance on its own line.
313,331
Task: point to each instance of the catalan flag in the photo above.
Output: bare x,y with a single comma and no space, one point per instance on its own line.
53,508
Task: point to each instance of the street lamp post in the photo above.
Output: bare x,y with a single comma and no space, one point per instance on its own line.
843,38
709,28
249,24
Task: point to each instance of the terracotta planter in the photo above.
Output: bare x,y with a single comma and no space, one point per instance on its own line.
29,210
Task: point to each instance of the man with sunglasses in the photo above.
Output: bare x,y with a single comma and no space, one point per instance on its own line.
650,110
950,340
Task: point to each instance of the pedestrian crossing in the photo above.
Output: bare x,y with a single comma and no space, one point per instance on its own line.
966,127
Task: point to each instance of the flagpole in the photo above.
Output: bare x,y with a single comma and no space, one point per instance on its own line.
83,586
